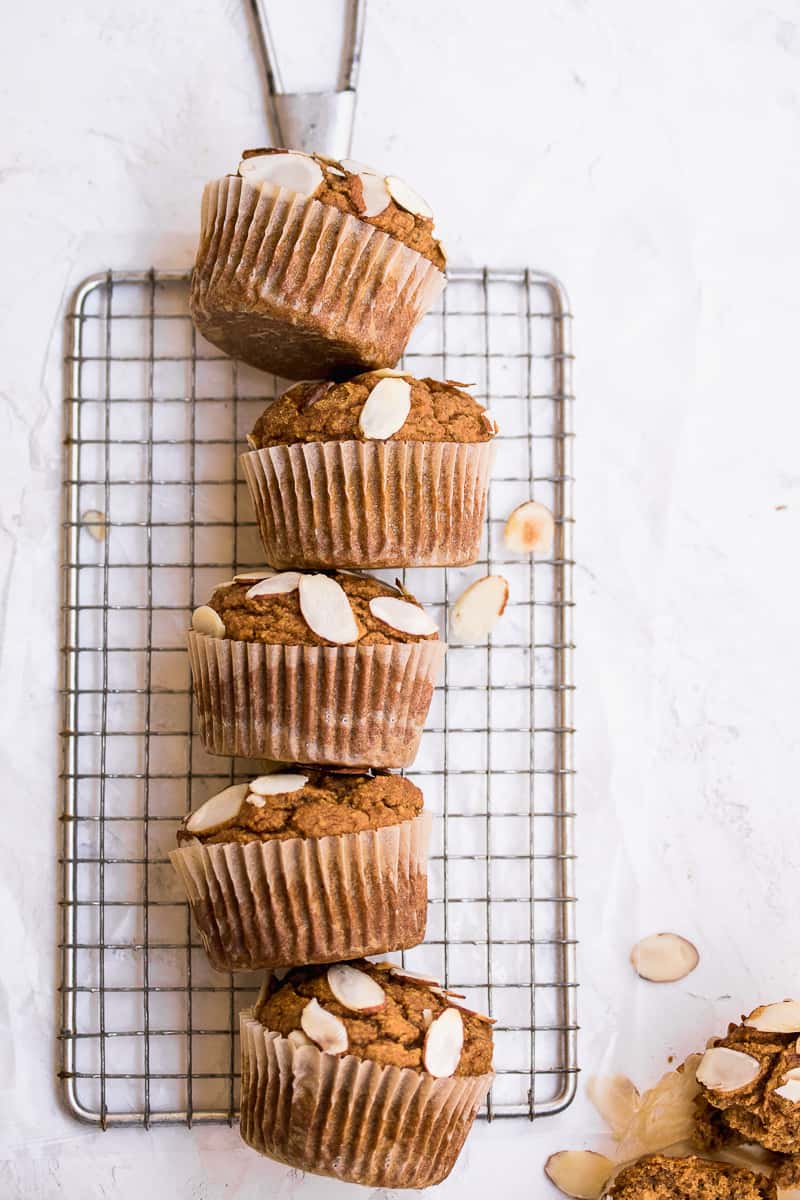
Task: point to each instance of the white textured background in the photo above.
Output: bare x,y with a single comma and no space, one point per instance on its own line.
649,154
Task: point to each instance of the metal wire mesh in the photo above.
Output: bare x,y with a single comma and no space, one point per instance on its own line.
156,513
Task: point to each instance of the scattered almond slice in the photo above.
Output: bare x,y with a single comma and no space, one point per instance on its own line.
276,585
218,810
477,610
444,1041
291,170
616,1098
407,198
386,408
664,958
96,524
355,989
254,576
324,1028
402,615
783,1017
298,1039
790,1086
375,193
326,609
205,620
582,1174
722,1069
413,977
280,783
530,529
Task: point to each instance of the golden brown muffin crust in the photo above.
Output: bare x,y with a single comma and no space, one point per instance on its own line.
327,412
392,1036
657,1177
345,192
278,621
755,1113
331,803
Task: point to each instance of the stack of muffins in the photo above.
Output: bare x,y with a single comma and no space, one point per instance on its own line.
319,270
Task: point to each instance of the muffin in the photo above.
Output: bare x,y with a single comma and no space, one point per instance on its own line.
364,1072
659,1178
383,470
336,669
307,866
750,1088
310,267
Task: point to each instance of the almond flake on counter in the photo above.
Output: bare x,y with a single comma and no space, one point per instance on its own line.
324,1028
386,408
582,1174
218,810
207,621
478,609
96,524
326,609
664,958
402,615
530,529
355,989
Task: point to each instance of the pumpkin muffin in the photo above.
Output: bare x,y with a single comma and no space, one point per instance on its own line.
308,266
333,669
306,866
750,1088
363,1071
657,1177
382,470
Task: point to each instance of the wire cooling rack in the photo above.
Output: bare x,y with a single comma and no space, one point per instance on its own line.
156,513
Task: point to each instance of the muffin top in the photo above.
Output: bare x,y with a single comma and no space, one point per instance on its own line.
750,1082
296,608
384,201
657,1177
378,405
380,1012
302,803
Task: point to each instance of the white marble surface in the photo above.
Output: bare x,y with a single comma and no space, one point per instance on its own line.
649,154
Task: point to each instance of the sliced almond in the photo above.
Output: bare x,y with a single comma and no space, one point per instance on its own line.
783,1017
375,194
616,1098
722,1069
427,1017
386,408
207,621
280,783
357,168
276,585
254,576
385,373
490,422
413,977
96,523
402,615
251,441
298,1039
530,529
444,1041
790,1086
290,169
664,958
477,610
579,1173
407,198
326,609
355,989
219,810
324,1028
472,1012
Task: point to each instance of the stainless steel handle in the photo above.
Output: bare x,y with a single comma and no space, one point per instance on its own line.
313,121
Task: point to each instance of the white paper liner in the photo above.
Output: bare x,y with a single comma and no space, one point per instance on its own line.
370,504
342,705
297,287
308,900
380,1126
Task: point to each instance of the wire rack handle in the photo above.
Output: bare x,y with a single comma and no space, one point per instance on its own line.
313,121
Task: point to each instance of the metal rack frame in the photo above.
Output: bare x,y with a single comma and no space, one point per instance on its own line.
115,817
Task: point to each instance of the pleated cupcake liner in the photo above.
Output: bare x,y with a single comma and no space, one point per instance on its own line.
308,900
295,286
337,705
351,1118
370,504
